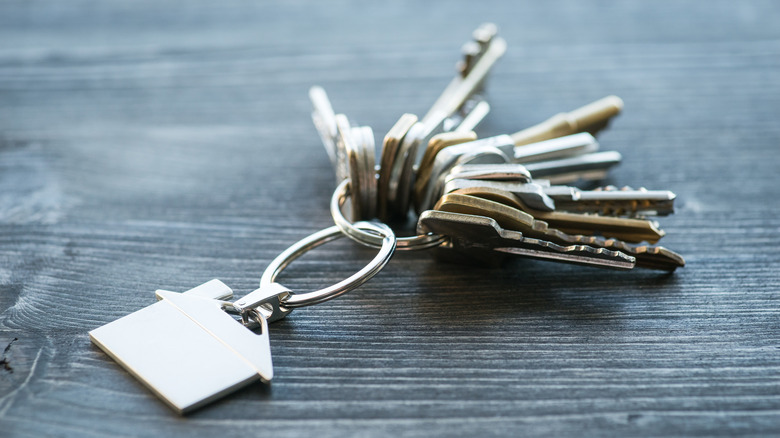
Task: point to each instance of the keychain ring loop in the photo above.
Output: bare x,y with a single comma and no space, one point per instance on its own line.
378,230
354,232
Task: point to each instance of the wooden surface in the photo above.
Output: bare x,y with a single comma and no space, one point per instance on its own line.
159,144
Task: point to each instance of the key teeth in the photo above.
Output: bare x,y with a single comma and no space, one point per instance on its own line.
579,247
671,260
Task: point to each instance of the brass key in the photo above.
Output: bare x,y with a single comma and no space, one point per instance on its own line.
508,217
628,230
591,118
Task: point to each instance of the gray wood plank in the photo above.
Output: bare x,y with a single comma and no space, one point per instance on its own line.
148,145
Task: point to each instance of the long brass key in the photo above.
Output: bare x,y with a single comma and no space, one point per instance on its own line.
591,118
628,230
646,256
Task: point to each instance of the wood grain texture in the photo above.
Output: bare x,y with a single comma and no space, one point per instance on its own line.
148,145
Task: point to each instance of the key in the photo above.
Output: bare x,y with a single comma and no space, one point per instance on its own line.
561,147
465,122
470,80
470,232
588,167
390,147
629,230
646,256
346,141
472,50
589,118
358,144
612,201
402,171
490,172
364,138
325,121
608,201
455,98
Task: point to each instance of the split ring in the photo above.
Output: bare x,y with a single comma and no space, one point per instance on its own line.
354,232
381,232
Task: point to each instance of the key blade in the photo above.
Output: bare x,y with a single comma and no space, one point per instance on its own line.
467,118
613,201
588,167
461,88
325,122
650,257
590,118
557,148
491,172
345,140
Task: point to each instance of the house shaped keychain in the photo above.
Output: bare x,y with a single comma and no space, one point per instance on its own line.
190,351
186,348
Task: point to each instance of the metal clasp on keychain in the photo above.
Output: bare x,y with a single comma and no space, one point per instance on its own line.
189,350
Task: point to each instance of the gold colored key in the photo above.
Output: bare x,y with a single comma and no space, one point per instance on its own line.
437,143
514,219
626,229
590,118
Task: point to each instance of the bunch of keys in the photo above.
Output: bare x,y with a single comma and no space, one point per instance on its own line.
477,198
497,196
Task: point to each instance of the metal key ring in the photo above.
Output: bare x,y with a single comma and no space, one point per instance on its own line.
354,232
380,231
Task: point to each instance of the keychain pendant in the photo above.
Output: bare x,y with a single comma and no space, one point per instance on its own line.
186,348
189,351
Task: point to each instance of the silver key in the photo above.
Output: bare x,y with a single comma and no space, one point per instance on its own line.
454,99
325,121
608,201
588,167
611,201
364,140
469,233
490,172
557,148
470,119
461,88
